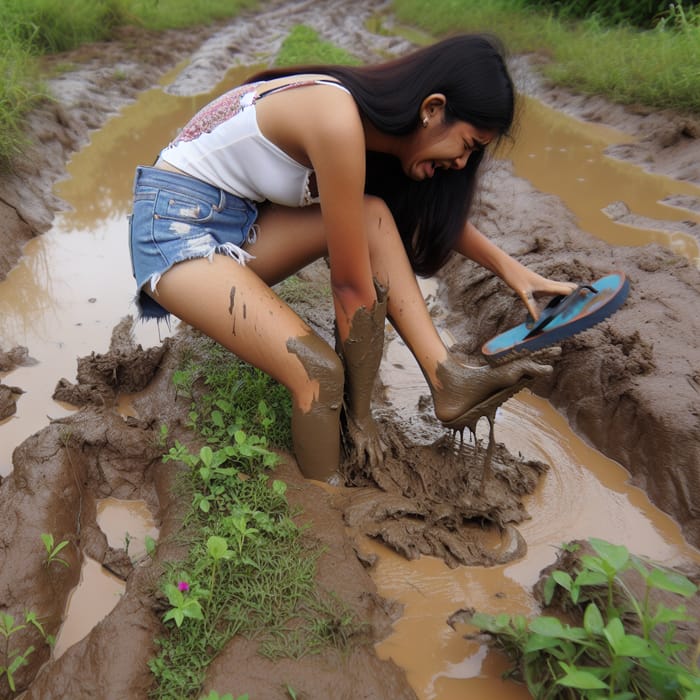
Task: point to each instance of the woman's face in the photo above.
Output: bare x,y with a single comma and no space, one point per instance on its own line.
441,145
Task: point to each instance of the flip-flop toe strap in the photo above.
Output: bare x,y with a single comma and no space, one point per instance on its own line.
557,306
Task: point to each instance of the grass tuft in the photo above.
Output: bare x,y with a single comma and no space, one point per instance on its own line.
303,45
250,570
32,28
658,67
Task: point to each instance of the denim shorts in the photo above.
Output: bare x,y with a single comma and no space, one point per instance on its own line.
177,217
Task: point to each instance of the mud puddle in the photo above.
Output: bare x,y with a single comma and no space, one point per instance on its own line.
583,495
613,200
126,525
74,284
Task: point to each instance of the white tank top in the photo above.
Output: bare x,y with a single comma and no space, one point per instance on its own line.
223,146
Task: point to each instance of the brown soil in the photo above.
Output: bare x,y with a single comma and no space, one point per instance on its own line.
631,387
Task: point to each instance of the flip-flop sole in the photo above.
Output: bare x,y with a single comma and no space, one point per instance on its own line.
590,309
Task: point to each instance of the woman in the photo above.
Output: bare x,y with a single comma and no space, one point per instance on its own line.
374,167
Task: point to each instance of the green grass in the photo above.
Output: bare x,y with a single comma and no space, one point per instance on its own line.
249,568
659,67
50,26
32,28
303,45
20,90
179,14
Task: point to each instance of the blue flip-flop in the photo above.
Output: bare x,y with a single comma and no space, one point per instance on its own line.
563,317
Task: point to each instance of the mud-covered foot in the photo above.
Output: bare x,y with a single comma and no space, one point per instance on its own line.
465,393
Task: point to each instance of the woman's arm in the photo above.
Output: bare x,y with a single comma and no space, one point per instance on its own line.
335,144
523,281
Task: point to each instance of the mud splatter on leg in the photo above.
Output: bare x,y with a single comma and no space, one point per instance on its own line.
316,432
232,303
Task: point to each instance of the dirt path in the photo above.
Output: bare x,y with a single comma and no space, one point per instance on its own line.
632,387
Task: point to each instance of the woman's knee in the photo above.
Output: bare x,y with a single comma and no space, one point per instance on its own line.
324,370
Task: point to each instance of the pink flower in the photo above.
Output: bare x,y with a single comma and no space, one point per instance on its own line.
183,586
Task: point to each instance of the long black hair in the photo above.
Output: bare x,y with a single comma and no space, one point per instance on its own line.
470,71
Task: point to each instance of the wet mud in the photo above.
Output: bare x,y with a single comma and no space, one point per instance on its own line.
644,411
9,394
631,386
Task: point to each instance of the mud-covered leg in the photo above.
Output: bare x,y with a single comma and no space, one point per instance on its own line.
231,304
461,393
316,432
362,353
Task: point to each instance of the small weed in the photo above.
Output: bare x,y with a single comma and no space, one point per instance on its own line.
11,660
53,550
213,695
249,570
602,657
184,600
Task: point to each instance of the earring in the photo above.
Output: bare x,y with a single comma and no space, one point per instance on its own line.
425,122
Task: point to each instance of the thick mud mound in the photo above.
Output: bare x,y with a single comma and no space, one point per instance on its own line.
630,385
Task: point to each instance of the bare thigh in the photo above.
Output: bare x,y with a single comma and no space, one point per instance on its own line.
288,240
231,304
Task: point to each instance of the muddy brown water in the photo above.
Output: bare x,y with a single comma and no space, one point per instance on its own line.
74,284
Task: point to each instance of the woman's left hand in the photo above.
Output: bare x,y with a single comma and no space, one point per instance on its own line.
528,285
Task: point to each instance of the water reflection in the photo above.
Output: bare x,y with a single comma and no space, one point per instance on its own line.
565,156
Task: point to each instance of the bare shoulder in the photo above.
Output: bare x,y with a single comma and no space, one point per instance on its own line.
311,118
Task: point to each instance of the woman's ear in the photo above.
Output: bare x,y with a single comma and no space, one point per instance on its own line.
432,106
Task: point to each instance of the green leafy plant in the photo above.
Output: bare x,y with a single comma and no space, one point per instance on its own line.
184,601
213,695
149,545
625,647
53,549
12,659
243,543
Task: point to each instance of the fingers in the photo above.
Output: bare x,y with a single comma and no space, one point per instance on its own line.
548,287
564,287
528,298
